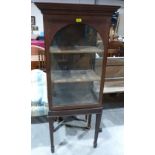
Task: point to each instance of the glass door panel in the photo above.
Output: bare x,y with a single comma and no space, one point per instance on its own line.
76,53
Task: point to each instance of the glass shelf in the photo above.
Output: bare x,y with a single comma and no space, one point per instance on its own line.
74,94
66,76
75,49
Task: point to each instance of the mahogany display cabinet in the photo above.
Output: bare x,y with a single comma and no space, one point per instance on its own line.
76,39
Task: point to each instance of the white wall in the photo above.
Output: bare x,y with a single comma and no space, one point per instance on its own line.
120,30
67,1
39,18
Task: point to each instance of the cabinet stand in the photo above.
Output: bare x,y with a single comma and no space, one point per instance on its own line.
97,111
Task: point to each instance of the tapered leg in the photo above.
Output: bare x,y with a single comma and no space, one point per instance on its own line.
89,121
97,126
51,128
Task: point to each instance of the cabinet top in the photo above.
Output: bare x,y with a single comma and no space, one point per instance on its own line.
76,9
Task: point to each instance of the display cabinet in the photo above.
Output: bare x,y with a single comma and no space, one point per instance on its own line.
76,39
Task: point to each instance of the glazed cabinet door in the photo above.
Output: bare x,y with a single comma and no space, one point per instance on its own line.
75,53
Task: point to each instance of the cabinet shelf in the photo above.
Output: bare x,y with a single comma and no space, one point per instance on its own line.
76,49
68,76
82,94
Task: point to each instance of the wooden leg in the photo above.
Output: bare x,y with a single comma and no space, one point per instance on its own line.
51,128
89,121
97,126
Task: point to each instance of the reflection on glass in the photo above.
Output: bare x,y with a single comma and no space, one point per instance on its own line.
77,53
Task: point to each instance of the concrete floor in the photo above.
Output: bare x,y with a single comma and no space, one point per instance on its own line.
77,141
